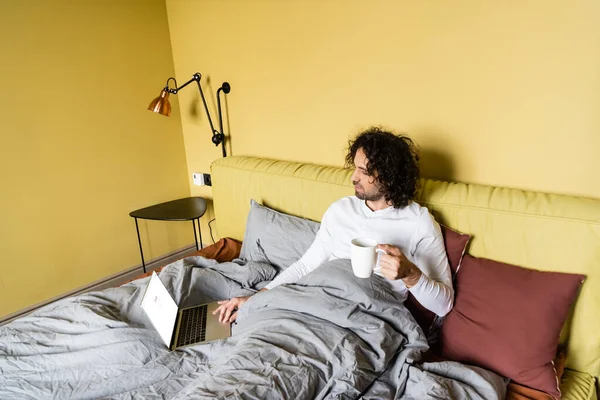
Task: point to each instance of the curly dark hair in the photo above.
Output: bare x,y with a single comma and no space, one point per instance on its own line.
393,159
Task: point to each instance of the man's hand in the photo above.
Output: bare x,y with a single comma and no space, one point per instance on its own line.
227,307
394,265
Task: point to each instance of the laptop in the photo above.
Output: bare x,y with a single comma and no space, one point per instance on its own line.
179,327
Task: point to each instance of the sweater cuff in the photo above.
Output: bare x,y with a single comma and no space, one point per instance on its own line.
271,285
422,280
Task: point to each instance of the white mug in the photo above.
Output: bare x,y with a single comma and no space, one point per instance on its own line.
365,256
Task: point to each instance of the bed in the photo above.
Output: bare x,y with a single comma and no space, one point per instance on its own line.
331,335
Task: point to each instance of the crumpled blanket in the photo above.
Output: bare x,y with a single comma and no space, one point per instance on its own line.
330,335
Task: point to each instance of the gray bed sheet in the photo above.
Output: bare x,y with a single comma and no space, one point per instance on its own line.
331,335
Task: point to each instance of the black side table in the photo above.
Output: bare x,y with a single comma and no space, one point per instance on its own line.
189,208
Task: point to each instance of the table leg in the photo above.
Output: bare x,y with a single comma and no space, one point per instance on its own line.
195,235
140,243
200,233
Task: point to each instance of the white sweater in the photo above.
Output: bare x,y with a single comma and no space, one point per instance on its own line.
412,229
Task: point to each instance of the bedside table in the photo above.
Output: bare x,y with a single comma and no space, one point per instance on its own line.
186,209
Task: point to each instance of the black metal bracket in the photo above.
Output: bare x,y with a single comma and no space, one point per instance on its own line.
218,137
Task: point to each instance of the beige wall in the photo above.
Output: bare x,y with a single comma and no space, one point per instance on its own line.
79,150
495,92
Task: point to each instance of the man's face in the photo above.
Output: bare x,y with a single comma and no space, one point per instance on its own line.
365,185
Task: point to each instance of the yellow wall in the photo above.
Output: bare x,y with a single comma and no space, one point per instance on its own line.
79,149
501,93
495,92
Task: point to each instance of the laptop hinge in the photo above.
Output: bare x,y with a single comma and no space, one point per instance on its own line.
175,331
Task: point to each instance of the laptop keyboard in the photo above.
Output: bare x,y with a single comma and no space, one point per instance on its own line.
193,325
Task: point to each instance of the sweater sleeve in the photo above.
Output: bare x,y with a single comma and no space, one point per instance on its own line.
318,252
434,289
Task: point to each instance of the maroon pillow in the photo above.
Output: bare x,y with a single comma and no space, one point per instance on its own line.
508,319
456,244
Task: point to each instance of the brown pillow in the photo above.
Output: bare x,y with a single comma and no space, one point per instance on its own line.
520,392
456,244
508,319
514,391
224,250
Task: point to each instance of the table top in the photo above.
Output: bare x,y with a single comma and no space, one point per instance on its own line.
176,210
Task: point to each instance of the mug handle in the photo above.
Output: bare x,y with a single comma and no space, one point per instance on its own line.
377,269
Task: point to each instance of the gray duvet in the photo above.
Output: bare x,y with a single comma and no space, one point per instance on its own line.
331,335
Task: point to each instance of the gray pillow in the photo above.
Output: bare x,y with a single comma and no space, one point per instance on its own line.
276,238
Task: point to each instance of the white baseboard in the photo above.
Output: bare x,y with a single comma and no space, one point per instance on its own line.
106,282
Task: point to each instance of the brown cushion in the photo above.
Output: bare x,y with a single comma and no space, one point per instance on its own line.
515,391
224,250
508,319
520,392
456,244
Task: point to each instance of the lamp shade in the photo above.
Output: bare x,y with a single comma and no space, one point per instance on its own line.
161,104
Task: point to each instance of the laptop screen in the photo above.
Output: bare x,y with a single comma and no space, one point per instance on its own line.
160,308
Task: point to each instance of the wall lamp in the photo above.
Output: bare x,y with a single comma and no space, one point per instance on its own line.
162,106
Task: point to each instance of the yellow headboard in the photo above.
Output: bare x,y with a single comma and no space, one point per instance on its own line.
534,230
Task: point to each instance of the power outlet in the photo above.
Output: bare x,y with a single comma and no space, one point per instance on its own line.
201,179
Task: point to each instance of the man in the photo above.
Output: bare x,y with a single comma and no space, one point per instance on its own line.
385,179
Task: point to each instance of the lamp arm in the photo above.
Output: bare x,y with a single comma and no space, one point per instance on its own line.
219,109
195,78
167,85
212,127
221,118
217,136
